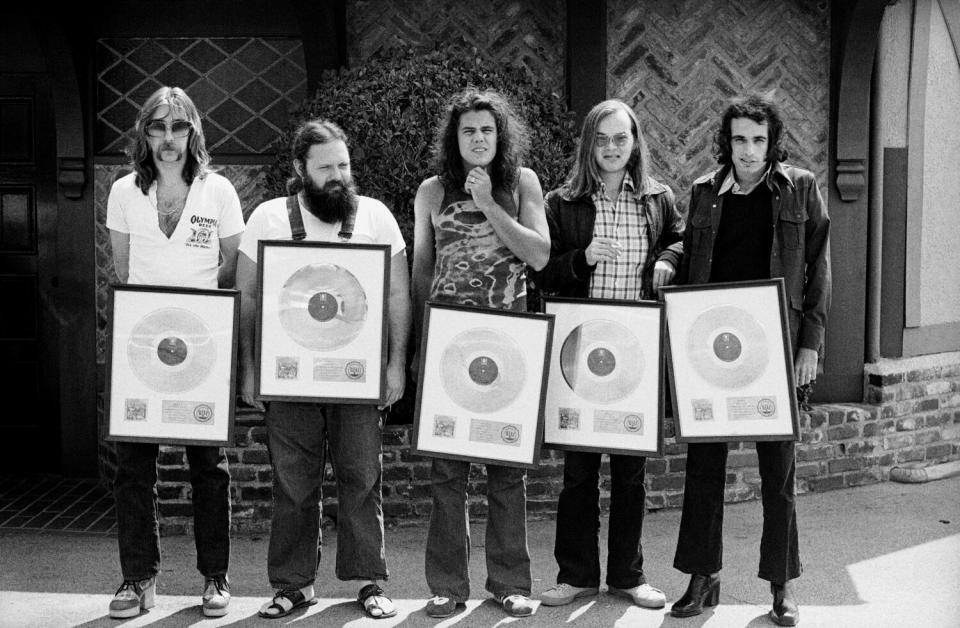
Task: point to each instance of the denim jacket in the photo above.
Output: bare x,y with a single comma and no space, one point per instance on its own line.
571,224
800,252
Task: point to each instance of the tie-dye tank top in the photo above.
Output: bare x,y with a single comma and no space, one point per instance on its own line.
473,265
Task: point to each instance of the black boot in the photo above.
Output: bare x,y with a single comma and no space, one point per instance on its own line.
702,591
785,610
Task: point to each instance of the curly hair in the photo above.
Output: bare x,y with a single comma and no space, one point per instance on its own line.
584,177
141,157
307,135
512,139
761,110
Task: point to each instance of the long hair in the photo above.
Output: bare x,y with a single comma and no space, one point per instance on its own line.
141,158
311,132
584,177
512,139
761,110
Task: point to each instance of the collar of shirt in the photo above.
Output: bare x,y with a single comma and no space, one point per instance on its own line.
730,183
626,186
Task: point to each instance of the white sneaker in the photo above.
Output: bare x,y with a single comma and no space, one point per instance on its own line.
642,595
132,596
564,593
216,596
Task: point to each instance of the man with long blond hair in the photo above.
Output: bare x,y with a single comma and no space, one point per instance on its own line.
615,233
172,222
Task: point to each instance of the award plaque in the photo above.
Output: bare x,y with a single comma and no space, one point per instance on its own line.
482,384
605,390
731,364
171,365
322,321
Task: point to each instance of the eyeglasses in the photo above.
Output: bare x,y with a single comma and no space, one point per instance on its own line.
618,140
158,128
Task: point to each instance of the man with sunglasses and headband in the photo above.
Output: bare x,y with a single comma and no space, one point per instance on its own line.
172,222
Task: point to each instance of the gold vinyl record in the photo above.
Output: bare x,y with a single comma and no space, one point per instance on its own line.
322,307
482,370
171,350
727,347
602,361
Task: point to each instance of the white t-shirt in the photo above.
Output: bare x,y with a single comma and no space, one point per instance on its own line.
375,224
190,257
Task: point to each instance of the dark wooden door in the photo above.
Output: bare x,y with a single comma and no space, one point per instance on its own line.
29,413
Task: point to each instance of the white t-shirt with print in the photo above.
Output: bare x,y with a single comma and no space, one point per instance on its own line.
190,257
374,224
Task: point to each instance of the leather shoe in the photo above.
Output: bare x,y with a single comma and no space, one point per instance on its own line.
785,611
703,590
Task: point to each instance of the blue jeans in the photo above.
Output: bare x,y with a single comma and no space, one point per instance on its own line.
138,528
700,544
577,547
296,436
448,541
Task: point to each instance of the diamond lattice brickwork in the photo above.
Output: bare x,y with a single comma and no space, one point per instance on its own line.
242,86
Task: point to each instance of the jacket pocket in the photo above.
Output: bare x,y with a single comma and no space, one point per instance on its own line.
791,225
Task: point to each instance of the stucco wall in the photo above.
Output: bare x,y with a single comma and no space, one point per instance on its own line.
940,257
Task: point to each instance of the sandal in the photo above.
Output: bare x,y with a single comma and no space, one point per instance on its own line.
285,602
371,599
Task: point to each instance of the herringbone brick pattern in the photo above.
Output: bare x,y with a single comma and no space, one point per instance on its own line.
506,31
678,61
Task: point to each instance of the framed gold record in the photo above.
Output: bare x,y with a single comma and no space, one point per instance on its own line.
321,332
481,385
731,363
605,383
171,365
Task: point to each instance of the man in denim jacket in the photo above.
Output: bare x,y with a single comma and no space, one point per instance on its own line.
754,218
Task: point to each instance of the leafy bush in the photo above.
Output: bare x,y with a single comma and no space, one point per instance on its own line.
390,108
391,105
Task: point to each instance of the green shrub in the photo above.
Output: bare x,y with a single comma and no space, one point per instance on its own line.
390,107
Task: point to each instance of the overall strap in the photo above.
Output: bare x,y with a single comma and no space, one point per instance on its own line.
346,226
296,220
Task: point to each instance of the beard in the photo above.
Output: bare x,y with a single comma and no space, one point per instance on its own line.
330,203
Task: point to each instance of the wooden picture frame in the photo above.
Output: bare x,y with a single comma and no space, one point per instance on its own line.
605,391
322,321
171,365
731,363
482,385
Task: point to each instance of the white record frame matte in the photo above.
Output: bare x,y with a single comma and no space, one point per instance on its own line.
731,363
605,386
482,385
171,365
321,333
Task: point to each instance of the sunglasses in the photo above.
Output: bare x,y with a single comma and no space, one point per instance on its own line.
601,141
158,128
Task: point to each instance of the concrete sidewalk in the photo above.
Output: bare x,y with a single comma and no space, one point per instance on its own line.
881,555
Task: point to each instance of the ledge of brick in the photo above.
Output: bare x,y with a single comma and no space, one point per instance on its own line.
915,419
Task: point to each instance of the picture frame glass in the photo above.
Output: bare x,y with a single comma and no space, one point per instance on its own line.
731,363
481,386
172,365
605,385
322,321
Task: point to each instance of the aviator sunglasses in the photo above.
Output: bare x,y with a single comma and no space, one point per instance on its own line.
158,128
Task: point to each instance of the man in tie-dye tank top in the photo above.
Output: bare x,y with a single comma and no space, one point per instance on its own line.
479,223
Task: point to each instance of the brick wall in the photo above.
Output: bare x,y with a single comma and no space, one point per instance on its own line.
912,415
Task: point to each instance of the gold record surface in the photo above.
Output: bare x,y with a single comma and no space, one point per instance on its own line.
602,361
727,347
322,307
171,350
482,370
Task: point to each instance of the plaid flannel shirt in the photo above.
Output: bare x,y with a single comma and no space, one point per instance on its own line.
624,221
